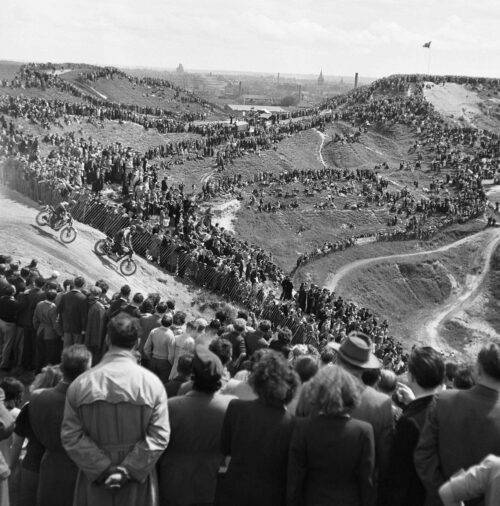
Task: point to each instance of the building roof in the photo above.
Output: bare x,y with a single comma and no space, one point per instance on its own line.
251,107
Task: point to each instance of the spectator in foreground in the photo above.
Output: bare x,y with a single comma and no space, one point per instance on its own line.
256,435
187,470
30,466
462,427
426,375
481,481
6,428
184,370
116,425
332,456
57,478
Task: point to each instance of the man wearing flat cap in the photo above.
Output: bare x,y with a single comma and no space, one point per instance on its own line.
187,470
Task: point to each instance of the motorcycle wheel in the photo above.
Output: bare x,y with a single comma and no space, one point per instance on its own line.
42,218
128,267
68,234
100,247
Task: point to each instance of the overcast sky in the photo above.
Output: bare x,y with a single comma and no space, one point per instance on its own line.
372,37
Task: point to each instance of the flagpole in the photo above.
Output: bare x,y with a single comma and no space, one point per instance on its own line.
429,63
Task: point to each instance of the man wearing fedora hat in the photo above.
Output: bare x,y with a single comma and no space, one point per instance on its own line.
355,355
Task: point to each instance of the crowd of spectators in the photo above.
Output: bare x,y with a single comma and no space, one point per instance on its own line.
134,402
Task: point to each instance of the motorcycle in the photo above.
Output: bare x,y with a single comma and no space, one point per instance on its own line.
103,247
67,232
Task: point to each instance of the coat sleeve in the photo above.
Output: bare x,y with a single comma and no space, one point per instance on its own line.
366,468
401,466
226,434
36,317
426,456
297,467
143,457
84,452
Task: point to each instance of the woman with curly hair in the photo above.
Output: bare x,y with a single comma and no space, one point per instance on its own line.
332,456
256,435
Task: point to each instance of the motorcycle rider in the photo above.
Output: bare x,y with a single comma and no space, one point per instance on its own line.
122,240
61,212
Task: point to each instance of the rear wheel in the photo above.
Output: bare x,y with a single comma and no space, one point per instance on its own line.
128,267
68,234
101,247
42,218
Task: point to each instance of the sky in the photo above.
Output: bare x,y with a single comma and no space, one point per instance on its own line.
372,37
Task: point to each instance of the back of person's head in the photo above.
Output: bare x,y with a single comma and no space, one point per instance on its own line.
75,360
328,356
214,326
51,295
161,307
488,361
170,305
333,391
14,391
239,324
39,282
265,325
370,377
154,298
388,382
49,377
147,306
306,367
273,379
179,318
103,285
25,272
95,291
464,377
207,370
185,365
138,298
125,291
166,320
68,283
123,331
79,282
222,348
426,366
3,268
285,334
9,290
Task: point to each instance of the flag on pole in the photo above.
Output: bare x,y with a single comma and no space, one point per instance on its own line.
427,44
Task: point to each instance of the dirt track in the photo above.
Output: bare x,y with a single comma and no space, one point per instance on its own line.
22,238
429,330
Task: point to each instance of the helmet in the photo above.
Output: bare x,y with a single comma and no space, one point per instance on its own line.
133,228
72,202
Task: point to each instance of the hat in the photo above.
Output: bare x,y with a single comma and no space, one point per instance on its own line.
54,275
206,365
356,350
201,322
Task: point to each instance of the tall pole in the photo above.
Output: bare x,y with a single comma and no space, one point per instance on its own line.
429,63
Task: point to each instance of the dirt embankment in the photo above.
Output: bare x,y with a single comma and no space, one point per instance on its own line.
24,240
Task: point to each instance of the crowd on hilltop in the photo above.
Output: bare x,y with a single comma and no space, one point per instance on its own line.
135,403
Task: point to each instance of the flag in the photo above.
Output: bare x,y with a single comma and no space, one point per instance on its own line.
427,44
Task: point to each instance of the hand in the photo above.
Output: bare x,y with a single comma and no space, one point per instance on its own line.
404,394
115,480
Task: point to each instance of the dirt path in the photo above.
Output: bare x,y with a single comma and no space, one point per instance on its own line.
24,240
320,151
333,281
468,293
430,330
